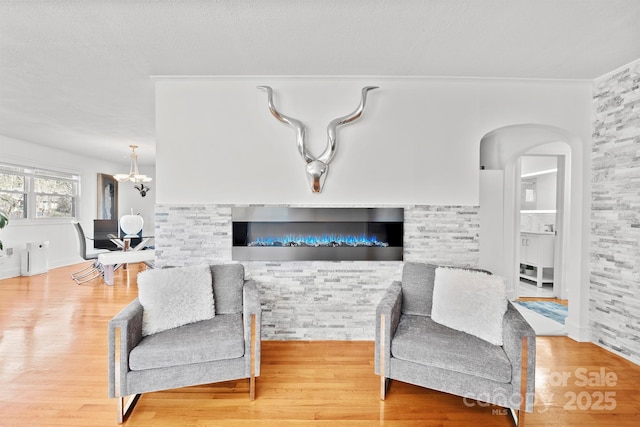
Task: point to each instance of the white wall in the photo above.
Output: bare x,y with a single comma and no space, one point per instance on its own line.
533,164
491,233
545,183
417,142
546,191
62,239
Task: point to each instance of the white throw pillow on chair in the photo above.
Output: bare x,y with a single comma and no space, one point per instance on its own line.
470,301
174,297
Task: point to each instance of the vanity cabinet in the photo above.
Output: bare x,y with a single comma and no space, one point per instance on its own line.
536,257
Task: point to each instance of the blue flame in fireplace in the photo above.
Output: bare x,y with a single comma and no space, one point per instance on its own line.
325,240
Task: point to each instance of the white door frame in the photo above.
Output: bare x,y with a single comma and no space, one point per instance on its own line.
561,151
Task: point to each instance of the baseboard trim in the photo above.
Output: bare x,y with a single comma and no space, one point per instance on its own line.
15,271
617,353
9,273
577,333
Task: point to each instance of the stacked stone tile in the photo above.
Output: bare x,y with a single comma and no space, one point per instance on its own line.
615,214
318,300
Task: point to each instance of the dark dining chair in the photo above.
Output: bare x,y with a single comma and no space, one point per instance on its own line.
94,269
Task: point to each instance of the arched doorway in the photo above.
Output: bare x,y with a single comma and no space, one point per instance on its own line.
500,151
540,221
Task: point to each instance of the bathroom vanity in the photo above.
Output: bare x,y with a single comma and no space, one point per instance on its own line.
536,256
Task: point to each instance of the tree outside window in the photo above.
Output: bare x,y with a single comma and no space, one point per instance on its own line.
27,193
13,195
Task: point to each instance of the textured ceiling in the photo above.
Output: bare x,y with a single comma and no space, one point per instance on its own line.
75,73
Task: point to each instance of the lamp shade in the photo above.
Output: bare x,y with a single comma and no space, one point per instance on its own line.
131,225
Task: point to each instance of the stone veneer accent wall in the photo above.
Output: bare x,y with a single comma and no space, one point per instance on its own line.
318,300
615,215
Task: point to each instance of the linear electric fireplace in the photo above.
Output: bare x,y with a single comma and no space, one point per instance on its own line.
329,234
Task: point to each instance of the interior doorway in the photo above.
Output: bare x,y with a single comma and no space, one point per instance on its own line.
500,151
536,226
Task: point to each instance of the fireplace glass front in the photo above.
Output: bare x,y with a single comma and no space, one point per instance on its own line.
330,234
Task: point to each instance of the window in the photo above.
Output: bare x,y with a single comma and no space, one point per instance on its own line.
13,194
30,193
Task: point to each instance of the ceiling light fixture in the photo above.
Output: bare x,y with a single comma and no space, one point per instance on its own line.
133,175
546,171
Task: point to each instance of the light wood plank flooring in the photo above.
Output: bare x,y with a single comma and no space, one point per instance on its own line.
556,300
53,372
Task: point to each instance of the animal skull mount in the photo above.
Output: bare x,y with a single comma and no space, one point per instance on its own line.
317,167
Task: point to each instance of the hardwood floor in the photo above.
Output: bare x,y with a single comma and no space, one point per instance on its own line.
53,372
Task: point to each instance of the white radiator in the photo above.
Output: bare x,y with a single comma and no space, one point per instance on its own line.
35,259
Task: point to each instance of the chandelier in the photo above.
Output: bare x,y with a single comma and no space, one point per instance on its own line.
133,175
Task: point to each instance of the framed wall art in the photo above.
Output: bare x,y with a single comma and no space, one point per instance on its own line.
107,197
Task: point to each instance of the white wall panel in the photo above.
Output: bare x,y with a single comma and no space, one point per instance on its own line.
417,141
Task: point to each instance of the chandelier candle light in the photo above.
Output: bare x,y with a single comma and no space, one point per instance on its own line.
134,175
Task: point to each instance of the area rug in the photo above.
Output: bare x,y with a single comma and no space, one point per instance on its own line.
551,310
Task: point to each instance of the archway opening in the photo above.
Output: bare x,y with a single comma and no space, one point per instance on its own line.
500,221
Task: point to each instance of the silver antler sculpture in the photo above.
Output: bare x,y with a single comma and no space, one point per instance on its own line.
317,168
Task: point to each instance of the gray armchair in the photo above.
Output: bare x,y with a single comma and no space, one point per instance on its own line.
224,348
412,348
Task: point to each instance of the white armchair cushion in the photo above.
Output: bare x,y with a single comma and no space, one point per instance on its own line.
175,297
470,301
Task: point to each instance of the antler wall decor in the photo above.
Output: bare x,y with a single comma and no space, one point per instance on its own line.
317,167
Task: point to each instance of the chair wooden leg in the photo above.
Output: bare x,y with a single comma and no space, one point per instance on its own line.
252,378
524,357
518,414
125,403
125,408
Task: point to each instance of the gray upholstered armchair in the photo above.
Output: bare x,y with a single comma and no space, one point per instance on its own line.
411,347
223,348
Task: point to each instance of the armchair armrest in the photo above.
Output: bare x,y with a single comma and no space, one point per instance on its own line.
387,319
516,333
129,322
251,298
251,306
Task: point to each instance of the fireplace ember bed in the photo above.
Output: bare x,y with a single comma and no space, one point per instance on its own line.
328,234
